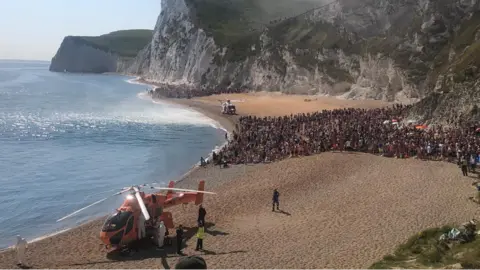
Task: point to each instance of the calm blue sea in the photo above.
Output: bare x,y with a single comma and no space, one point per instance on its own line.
67,140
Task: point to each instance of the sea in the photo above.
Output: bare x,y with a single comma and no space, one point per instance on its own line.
68,140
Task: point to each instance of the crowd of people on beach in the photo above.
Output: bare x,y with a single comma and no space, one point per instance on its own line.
383,131
188,92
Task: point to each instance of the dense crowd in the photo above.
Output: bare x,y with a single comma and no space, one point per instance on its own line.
188,92
382,131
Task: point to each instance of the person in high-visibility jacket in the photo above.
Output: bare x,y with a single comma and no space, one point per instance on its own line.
200,236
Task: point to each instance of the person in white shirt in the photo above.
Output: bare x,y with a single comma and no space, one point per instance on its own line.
161,234
20,247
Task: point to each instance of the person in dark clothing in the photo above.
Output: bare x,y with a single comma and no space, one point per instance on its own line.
464,165
276,194
179,239
201,215
168,240
214,157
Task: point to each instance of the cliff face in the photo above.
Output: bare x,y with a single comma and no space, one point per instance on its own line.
76,57
395,50
179,52
113,52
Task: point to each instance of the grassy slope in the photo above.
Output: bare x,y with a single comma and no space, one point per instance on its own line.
225,20
235,21
421,251
126,43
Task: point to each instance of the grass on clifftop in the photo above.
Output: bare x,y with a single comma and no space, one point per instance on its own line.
421,252
126,43
225,20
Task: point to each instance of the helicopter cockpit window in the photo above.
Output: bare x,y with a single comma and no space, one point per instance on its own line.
129,225
116,221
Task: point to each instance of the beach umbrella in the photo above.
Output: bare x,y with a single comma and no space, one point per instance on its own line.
411,121
394,120
477,130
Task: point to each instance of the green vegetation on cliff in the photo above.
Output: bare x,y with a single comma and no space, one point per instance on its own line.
225,20
126,43
230,20
423,251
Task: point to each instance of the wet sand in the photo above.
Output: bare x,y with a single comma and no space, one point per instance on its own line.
339,210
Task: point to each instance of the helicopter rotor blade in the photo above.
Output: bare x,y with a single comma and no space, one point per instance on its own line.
142,204
184,190
97,202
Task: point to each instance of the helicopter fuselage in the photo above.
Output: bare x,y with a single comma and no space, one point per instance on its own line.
121,228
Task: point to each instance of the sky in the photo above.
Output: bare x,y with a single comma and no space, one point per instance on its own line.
34,29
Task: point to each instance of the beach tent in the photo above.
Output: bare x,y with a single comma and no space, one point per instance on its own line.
386,122
411,121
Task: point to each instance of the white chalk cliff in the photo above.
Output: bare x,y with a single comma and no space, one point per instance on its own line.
395,50
384,49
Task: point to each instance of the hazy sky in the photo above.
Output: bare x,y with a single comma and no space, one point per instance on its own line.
34,29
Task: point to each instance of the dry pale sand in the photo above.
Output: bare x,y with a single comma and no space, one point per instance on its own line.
341,210
276,104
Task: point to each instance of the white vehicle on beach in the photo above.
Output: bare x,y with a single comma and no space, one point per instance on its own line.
228,108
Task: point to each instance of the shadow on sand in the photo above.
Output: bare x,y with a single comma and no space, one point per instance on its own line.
209,252
283,212
145,249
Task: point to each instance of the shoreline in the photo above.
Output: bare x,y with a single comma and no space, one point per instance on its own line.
224,123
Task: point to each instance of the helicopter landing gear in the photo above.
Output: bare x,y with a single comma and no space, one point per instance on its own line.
127,252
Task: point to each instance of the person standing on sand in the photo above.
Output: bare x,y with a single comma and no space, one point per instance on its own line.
276,196
464,164
200,236
179,239
161,234
201,215
20,247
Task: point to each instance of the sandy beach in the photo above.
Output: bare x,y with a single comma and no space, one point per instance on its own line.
339,210
276,104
